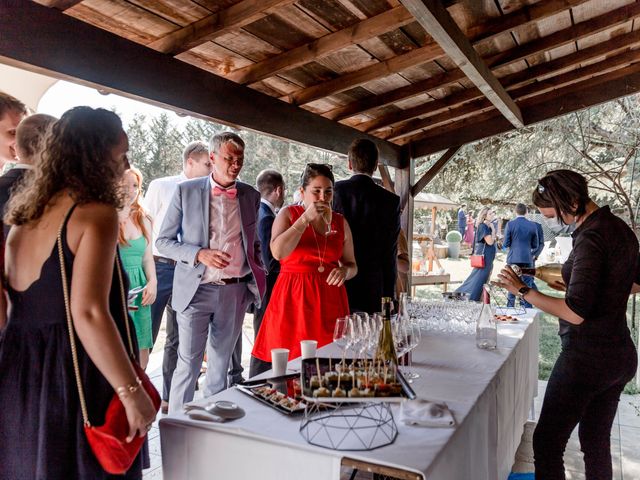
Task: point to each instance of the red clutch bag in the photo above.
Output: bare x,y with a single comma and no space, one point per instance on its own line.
477,261
108,441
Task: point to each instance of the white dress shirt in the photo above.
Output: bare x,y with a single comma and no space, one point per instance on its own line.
225,233
157,200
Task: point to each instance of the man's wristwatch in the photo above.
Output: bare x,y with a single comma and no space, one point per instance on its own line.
522,292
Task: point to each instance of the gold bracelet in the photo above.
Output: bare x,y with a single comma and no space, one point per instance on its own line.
129,389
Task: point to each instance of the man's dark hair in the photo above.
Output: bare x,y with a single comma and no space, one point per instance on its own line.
9,103
565,191
363,155
521,209
267,181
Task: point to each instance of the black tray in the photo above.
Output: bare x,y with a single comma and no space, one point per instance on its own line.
284,386
309,368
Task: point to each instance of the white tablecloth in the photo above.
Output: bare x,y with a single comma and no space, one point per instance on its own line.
489,392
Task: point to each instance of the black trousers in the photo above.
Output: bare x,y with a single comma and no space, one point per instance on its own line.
584,389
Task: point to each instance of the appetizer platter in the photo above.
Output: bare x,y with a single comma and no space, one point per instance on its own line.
327,380
284,396
506,319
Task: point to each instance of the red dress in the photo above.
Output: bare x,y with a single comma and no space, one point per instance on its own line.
302,305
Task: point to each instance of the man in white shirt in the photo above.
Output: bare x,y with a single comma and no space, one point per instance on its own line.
210,230
195,163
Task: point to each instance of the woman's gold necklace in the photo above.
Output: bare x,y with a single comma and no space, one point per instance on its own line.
321,267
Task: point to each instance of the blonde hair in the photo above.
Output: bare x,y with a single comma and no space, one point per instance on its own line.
137,212
482,216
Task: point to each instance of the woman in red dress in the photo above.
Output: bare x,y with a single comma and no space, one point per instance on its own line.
315,250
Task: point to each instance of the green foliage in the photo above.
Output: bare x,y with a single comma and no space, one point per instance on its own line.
454,237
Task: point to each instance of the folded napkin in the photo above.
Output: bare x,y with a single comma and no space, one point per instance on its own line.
424,413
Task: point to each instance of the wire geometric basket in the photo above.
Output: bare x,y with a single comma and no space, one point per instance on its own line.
499,300
361,427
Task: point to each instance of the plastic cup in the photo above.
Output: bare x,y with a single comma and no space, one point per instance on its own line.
279,359
308,348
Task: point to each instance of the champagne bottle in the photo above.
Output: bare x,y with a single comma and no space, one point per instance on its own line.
386,344
550,273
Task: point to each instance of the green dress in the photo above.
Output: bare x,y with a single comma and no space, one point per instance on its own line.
132,255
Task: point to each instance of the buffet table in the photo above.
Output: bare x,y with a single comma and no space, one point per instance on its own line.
489,392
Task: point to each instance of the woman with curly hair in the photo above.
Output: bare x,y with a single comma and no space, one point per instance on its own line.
74,192
134,244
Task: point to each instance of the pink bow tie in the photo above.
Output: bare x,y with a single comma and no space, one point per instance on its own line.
230,192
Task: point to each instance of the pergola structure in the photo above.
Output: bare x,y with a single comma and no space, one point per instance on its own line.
415,76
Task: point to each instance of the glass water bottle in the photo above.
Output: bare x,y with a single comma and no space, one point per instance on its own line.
486,328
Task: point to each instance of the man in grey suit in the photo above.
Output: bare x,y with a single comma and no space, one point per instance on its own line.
210,231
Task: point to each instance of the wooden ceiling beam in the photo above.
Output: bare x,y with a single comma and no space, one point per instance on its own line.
528,75
559,102
438,23
434,170
85,54
61,5
217,24
519,94
360,32
518,90
478,34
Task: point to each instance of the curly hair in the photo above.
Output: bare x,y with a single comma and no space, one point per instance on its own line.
137,212
77,157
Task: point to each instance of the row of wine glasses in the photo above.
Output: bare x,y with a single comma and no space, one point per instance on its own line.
444,317
359,333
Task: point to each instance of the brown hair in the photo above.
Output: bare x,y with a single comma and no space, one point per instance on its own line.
9,103
363,155
267,181
77,156
137,212
313,170
565,191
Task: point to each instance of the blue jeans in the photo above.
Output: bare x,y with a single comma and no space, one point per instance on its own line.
528,281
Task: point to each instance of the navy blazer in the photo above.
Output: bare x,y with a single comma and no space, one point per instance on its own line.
521,238
373,214
265,222
537,251
7,182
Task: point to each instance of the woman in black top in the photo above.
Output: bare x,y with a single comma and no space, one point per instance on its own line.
598,356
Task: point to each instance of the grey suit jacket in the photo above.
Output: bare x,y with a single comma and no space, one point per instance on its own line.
185,230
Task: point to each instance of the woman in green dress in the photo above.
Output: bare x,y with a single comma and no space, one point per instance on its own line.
134,242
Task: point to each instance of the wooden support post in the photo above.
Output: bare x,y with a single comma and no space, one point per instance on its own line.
433,171
404,180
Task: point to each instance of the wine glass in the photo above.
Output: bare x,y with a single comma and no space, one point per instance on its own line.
341,335
328,217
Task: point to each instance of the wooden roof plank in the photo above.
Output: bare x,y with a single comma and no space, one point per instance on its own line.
544,107
519,94
216,24
495,25
85,53
323,46
510,81
435,19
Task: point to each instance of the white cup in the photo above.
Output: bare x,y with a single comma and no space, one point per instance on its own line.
308,348
279,359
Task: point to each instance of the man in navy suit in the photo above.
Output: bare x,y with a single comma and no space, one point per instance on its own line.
270,184
373,214
521,238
